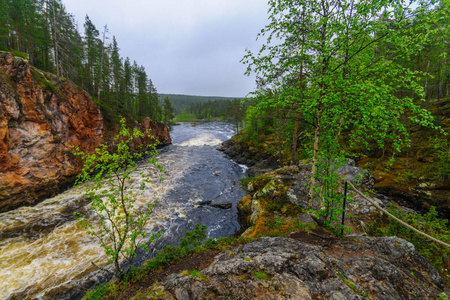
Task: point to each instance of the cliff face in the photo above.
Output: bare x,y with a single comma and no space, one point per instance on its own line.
38,123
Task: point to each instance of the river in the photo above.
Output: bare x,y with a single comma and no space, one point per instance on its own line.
45,254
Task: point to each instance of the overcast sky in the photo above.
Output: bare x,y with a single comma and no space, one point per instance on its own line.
186,46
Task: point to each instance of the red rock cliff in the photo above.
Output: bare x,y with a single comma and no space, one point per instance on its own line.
38,123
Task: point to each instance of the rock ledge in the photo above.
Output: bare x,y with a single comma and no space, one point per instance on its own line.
284,268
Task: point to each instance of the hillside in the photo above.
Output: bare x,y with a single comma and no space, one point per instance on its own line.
181,102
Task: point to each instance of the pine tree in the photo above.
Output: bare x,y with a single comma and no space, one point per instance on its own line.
117,74
168,112
91,44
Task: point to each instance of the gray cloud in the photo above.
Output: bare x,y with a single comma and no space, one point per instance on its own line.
187,46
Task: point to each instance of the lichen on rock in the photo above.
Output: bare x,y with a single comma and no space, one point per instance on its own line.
356,268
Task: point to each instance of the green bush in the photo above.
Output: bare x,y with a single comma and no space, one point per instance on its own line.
442,158
429,223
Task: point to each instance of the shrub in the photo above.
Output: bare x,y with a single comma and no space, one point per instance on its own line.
119,225
429,223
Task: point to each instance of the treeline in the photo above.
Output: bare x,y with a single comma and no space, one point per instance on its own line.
184,102
211,109
231,111
47,35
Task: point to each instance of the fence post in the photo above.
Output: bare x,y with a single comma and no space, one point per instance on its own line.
343,209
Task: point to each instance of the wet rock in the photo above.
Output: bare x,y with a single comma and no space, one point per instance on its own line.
204,202
362,206
360,268
292,196
264,166
305,218
419,199
298,192
223,205
291,185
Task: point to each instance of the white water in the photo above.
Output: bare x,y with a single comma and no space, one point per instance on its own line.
44,252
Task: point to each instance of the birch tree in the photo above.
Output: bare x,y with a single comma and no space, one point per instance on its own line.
320,55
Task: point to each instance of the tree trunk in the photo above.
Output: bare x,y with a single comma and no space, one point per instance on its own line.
426,80
315,157
317,129
101,62
47,39
297,120
295,137
280,156
55,43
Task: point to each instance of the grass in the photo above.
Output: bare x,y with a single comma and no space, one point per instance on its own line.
351,285
197,274
168,255
262,275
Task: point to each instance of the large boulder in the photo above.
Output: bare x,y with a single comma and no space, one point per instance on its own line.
357,176
298,191
285,268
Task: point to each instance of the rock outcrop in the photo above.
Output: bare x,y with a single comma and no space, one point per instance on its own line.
289,185
39,121
258,162
285,268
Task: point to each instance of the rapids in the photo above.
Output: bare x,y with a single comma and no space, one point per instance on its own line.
45,254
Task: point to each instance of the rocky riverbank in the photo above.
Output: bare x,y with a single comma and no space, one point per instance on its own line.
39,122
258,162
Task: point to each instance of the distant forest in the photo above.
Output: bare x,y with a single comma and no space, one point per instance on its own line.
43,32
194,104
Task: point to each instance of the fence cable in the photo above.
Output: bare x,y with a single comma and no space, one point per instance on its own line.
397,219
